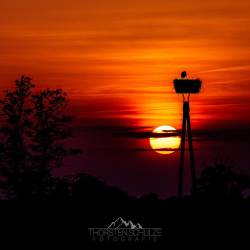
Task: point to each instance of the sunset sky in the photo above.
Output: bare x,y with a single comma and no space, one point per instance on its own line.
117,60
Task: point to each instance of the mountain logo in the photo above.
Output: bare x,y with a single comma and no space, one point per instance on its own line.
124,231
121,223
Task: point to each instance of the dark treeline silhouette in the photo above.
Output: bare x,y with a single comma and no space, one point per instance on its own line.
33,131
219,182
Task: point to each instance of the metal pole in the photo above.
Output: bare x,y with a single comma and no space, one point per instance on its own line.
191,152
183,135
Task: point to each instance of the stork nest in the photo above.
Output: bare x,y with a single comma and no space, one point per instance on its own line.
187,86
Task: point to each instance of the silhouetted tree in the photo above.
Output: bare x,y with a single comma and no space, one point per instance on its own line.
16,113
32,139
150,198
60,190
86,188
219,182
49,130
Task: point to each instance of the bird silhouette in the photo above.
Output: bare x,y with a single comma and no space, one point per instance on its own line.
184,74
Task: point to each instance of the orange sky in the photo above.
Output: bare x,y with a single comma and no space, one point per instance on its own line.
117,58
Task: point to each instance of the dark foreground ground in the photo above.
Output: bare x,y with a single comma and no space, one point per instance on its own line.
186,222
216,217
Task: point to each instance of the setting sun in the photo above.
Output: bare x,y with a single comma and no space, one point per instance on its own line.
165,145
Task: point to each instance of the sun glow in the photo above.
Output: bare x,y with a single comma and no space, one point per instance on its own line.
165,145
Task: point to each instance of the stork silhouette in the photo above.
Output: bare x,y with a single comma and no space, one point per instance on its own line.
184,74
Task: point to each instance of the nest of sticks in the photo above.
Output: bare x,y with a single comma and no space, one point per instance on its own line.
187,86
